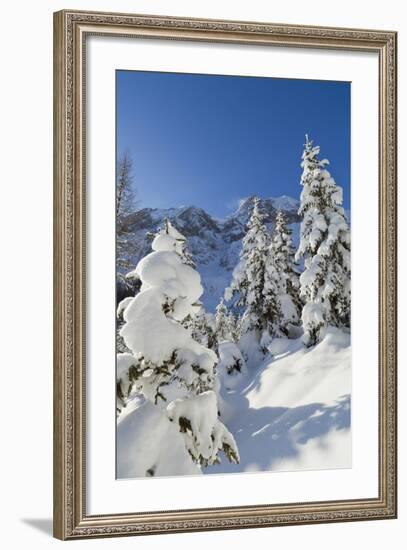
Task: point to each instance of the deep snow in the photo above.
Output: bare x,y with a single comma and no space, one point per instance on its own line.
149,445
290,413
293,411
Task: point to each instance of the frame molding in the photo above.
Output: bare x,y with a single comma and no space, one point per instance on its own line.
70,31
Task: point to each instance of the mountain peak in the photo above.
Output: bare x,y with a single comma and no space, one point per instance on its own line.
268,205
285,202
214,244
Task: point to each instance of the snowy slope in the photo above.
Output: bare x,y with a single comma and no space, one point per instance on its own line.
293,412
214,244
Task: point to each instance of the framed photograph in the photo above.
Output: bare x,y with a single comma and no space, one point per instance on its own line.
225,274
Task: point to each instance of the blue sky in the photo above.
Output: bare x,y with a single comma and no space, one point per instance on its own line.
210,141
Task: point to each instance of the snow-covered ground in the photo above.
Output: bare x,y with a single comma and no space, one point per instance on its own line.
293,411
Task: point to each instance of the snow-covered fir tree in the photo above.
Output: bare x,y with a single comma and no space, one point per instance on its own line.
272,305
180,244
284,272
234,322
126,202
223,328
166,365
199,322
231,362
227,324
253,287
325,248
202,328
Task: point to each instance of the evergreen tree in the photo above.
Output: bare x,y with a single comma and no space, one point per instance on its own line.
227,324
283,270
234,326
126,202
202,328
198,322
165,363
222,323
325,248
253,286
271,291
180,244
125,192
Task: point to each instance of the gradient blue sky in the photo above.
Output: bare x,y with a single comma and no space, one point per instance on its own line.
210,141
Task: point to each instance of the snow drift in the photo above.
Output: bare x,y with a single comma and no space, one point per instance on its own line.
294,413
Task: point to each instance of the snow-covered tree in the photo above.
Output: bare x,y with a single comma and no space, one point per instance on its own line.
126,202
204,434
125,192
253,287
166,365
283,271
126,374
271,290
222,323
179,242
230,359
227,324
234,322
325,248
202,328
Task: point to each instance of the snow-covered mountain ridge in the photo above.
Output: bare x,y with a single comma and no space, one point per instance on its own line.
214,244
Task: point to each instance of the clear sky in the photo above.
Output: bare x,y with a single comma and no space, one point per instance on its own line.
209,141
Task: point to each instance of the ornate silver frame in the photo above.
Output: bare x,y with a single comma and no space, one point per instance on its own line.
70,518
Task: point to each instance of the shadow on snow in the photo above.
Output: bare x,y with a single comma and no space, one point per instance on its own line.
269,434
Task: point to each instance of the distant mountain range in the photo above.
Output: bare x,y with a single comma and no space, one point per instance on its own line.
214,244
